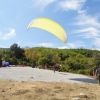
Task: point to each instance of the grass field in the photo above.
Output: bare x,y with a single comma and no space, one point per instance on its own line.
11,90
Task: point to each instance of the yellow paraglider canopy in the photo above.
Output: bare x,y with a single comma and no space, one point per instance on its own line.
50,26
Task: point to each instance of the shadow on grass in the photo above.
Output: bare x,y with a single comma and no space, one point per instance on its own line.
94,81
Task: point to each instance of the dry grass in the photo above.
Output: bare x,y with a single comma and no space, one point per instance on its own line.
10,90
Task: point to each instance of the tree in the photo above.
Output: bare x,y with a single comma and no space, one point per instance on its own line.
55,58
14,61
17,51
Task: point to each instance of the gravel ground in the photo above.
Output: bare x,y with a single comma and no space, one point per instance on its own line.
36,74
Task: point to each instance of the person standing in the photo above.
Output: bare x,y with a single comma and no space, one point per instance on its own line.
98,74
46,65
94,71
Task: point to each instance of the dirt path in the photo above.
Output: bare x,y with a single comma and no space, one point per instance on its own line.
34,75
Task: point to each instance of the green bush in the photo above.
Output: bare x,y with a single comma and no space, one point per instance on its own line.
42,60
85,72
80,72
88,72
65,68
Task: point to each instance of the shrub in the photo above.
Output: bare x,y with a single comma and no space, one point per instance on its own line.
65,68
81,72
85,72
88,72
42,60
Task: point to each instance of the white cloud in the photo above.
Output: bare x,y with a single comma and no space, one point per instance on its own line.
76,44
90,25
96,42
71,45
64,47
89,32
87,20
63,4
9,35
46,44
42,3
72,4
39,45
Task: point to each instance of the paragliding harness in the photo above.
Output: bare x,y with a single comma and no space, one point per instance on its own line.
56,67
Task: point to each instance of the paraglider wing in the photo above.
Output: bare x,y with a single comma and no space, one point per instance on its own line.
50,26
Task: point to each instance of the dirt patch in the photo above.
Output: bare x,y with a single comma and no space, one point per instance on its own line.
11,90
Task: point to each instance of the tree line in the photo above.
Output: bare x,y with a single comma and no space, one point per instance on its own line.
78,60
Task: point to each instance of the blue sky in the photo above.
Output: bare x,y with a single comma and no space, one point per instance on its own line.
80,19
